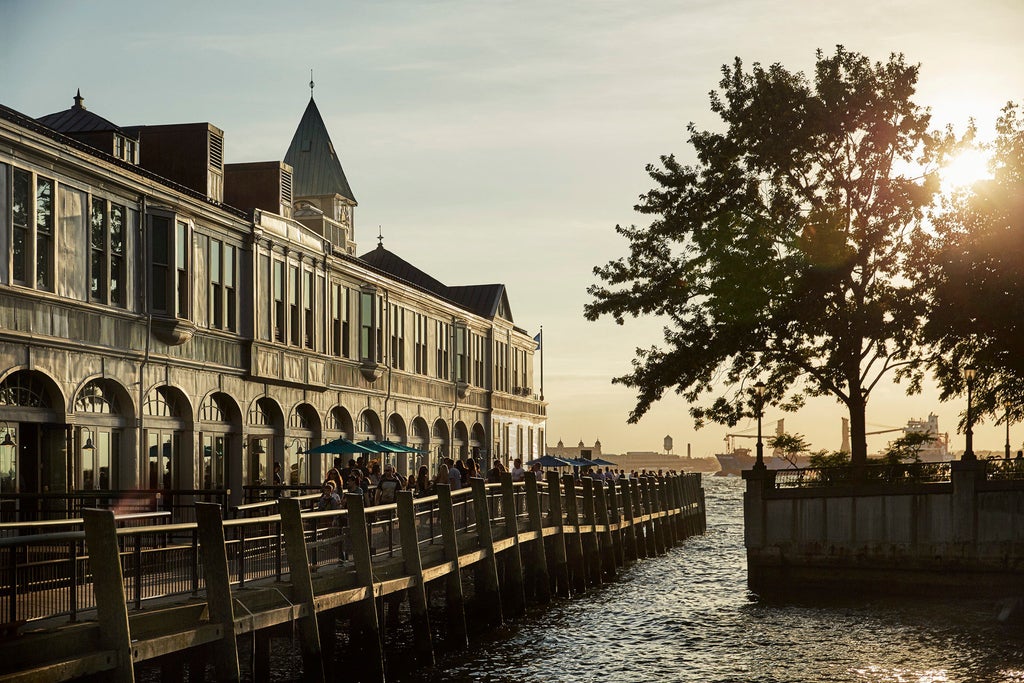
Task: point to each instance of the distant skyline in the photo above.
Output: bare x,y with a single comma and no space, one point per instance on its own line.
503,141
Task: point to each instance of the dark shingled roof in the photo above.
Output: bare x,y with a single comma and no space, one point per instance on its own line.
78,119
316,168
483,300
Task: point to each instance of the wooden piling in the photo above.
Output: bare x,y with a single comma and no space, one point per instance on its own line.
605,535
560,553
591,551
418,614
302,587
573,542
541,579
261,655
658,510
514,590
619,534
365,616
219,602
457,635
108,586
488,591
632,549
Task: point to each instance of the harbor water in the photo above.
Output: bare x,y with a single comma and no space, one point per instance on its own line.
687,616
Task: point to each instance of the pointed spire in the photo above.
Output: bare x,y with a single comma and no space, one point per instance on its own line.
380,238
316,168
311,84
78,100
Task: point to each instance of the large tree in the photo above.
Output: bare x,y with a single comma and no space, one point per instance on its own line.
973,270
780,254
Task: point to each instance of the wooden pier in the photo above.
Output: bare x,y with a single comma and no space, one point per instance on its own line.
336,569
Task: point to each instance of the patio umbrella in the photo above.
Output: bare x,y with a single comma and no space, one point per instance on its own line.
339,447
549,461
602,461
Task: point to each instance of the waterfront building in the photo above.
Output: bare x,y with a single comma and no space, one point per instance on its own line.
172,322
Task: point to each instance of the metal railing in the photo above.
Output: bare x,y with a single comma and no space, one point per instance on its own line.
892,474
47,575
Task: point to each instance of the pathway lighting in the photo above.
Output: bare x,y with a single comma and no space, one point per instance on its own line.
969,374
759,392
1007,404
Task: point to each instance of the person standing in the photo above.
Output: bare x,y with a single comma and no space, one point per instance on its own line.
518,473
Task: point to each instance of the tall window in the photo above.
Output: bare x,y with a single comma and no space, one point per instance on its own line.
98,251
160,250
461,354
32,191
223,304
398,337
515,371
369,327
181,257
500,366
442,330
339,320
420,344
308,329
293,304
279,301
479,360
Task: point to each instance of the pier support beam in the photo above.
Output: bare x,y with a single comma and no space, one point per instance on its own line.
619,535
214,555
514,590
108,585
591,550
541,580
559,554
302,585
365,615
488,592
573,542
456,633
605,535
414,567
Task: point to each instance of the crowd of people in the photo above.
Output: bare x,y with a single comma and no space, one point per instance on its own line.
379,484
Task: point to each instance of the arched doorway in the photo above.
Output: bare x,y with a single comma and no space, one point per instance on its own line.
396,434
266,426
460,442
419,438
478,442
303,428
220,443
35,457
168,437
103,414
439,439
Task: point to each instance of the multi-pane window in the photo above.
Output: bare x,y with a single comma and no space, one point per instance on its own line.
293,304
461,354
107,236
307,311
223,303
515,370
479,360
169,266
339,320
279,301
523,374
398,337
500,366
420,344
442,330
370,333
32,231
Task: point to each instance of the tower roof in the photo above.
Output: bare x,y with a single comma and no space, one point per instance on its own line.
316,168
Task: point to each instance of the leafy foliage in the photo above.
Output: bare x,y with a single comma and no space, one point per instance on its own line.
972,271
791,445
781,253
907,448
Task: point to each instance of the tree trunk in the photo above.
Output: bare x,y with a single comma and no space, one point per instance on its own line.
858,427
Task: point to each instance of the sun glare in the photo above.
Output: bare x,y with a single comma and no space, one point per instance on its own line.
965,169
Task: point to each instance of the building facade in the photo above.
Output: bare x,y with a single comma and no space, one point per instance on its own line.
169,321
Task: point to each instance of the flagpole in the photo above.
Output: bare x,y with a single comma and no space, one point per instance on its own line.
542,362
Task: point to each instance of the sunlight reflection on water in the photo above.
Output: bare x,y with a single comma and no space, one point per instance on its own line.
687,616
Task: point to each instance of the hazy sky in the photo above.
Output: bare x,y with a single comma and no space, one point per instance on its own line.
503,141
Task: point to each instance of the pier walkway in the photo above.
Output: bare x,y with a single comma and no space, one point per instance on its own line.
103,600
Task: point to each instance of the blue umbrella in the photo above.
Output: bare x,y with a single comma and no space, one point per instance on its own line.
339,447
550,461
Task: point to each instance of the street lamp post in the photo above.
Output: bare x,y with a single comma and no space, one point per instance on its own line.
968,373
759,392
1007,405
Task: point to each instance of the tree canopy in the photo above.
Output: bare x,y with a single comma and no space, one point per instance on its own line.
781,253
971,269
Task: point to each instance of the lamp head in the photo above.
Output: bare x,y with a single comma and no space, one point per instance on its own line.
759,389
969,372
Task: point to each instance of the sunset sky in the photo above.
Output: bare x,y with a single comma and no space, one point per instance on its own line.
503,141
